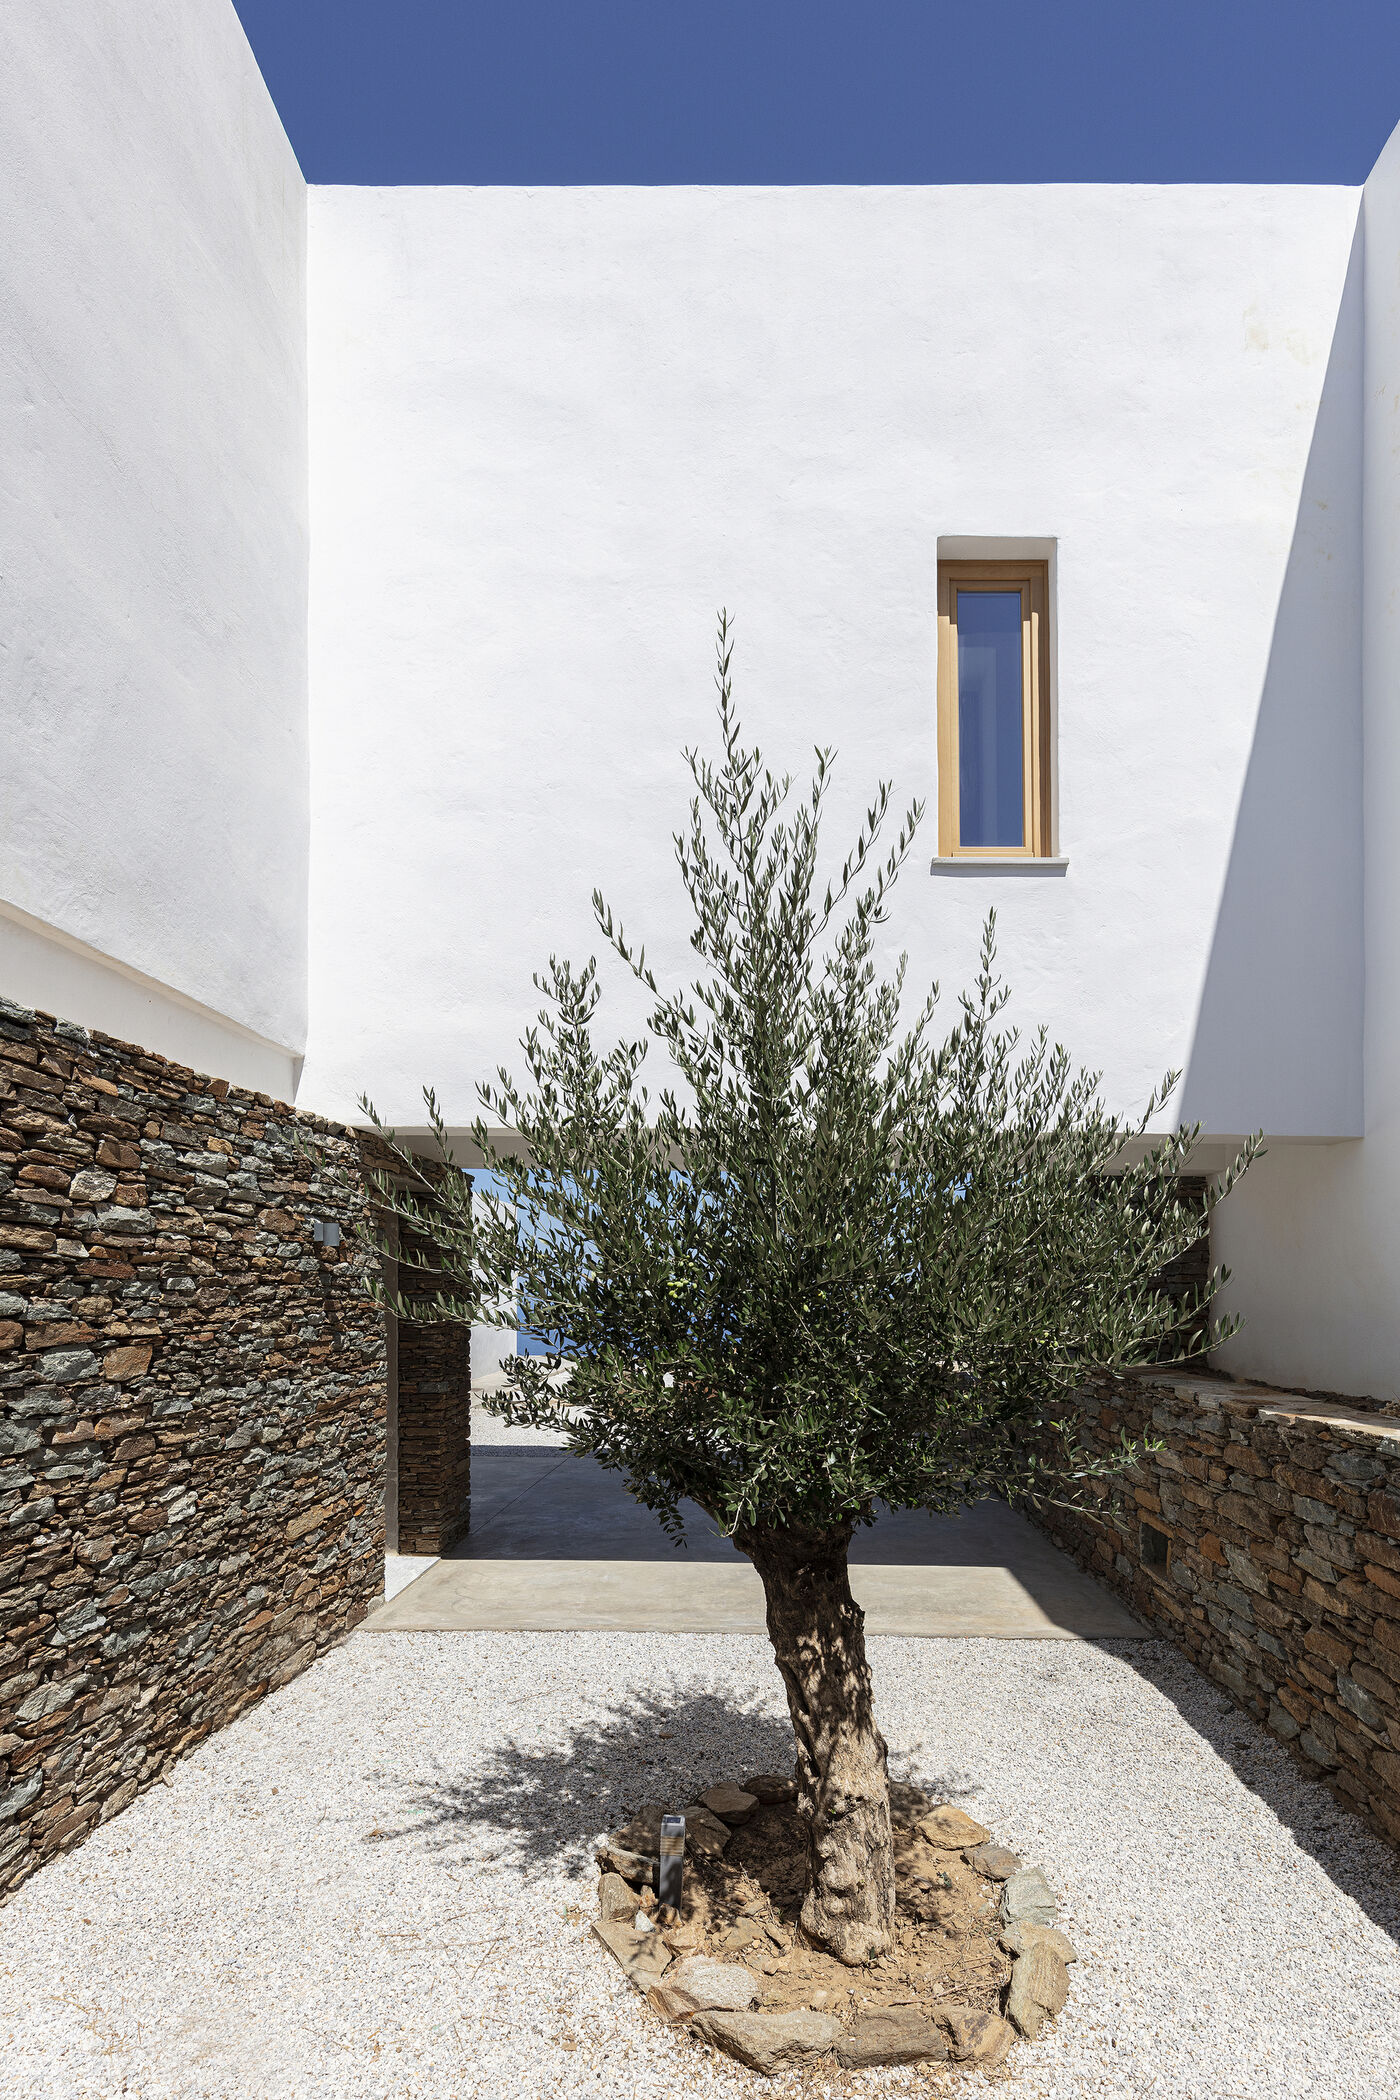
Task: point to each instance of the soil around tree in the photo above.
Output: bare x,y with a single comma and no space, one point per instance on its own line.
968,1916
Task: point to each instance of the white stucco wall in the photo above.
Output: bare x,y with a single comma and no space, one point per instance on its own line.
152,532
553,430
550,432
1313,1234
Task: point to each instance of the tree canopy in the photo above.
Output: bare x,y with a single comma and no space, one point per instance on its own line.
833,1261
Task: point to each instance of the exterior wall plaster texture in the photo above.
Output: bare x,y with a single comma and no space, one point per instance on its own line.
153,534
552,430
191,1418
1283,1581
1312,1233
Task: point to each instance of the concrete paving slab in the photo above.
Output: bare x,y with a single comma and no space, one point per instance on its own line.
501,1479
671,1596
558,1545
400,1569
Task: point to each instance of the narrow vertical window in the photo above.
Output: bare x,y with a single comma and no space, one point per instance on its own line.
993,717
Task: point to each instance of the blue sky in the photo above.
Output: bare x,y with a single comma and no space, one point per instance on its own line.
561,91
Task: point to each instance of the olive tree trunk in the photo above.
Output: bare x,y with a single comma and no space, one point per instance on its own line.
818,1635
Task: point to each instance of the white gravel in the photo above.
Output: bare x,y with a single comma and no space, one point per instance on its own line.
364,1887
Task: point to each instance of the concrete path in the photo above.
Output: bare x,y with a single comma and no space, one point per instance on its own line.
558,1545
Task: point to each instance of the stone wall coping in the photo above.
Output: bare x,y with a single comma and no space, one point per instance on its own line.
1330,1413
1266,1404
1210,1390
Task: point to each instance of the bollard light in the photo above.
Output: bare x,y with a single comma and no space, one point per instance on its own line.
671,1869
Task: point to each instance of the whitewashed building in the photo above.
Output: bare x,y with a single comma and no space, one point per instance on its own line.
360,550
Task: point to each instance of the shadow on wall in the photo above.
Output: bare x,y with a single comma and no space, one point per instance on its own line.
1277,1042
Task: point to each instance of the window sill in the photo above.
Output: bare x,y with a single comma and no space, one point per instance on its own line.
998,864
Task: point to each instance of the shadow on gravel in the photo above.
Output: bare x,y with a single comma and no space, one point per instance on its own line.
1360,1862
536,1802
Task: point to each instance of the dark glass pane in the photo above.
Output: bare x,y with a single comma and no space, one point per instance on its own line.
991,807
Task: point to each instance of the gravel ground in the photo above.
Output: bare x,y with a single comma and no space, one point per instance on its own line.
370,1885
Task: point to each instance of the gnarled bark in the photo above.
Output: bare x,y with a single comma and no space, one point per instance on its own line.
818,1635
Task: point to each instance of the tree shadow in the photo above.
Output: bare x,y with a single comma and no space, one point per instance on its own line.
533,1804
1353,1856
530,1802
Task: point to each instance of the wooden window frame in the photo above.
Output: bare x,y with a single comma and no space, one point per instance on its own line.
1032,578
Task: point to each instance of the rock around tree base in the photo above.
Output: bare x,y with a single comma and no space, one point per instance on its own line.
976,1958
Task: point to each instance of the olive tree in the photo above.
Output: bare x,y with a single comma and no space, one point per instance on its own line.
835,1263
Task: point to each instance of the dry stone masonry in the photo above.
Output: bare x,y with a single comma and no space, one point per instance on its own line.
1264,1537
434,1391
430,1379
191,1417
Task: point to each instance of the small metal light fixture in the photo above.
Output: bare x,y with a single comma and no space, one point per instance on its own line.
325,1232
671,1866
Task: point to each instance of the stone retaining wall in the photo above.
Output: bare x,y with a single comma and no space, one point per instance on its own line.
191,1417
1264,1537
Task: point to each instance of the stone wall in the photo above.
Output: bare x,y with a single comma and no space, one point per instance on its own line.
433,1419
434,1435
192,1417
430,1378
1264,1537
